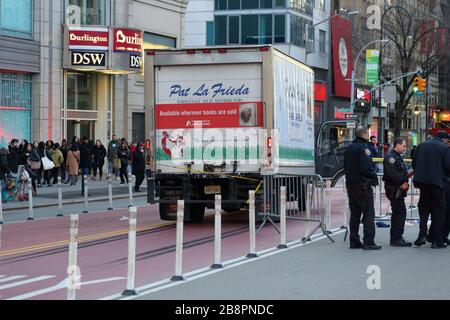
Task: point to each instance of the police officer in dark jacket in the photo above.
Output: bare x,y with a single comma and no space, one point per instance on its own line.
360,177
396,187
431,165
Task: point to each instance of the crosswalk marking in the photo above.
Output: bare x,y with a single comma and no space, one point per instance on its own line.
11,278
16,284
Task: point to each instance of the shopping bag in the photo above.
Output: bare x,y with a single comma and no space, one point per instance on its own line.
47,164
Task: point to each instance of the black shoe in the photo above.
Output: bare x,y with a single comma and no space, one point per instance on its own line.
356,245
420,241
438,245
401,243
371,247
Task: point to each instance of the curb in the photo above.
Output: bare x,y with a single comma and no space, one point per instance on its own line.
73,202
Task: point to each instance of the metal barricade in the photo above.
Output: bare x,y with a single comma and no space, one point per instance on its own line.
305,201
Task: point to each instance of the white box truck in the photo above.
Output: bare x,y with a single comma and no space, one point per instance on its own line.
219,119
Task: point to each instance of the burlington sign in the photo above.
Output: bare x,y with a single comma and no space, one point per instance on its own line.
127,40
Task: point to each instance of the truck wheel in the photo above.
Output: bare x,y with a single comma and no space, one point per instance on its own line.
230,208
197,212
164,212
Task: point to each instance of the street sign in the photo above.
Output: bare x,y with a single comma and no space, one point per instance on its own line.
351,116
351,125
372,60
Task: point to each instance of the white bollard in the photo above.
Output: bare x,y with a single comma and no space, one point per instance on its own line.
130,189
130,291
179,245
110,193
377,200
282,244
86,200
308,212
252,223
1,202
412,193
72,269
60,204
218,233
30,201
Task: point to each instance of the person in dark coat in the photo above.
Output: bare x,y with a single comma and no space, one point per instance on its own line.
139,166
13,155
413,151
124,155
64,149
360,177
99,159
23,146
4,168
85,161
431,165
30,155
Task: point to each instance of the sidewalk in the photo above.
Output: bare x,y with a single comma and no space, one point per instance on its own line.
98,191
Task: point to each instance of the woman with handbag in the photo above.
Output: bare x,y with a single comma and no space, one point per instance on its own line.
72,164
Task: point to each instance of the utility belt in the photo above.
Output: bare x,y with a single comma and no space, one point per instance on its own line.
364,184
394,192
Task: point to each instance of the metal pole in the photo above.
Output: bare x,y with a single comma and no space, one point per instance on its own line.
218,233
252,222
328,205
86,200
346,205
308,211
179,244
282,244
72,269
377,200
110,192
130,190
30,201
60,204
130,291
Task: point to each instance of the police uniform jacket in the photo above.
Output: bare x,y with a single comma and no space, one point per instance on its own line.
358,164
431,163
395,173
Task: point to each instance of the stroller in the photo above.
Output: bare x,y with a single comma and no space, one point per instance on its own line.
14,186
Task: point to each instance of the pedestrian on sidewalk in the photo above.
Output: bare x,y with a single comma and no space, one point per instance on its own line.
58,160
139,166
32,163
4,168
360,177
99,159
124,156
64,172
113,159
431,165
13,155
72,163
396,187
85,161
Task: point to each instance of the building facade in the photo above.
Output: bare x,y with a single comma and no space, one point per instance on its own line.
46,93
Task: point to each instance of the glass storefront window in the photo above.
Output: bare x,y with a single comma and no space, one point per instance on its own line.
303,6
82,91
250,4
15,107
91,12
265,29
16,17
249,29
233,29
220,29
280,29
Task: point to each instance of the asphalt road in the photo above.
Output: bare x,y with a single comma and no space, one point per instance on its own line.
322,270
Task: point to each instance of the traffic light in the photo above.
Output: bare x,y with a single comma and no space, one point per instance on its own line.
422,84
416,84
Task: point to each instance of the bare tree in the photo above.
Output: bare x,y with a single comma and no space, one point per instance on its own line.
413,40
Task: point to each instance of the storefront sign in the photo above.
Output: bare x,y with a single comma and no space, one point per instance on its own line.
135,61
342,56
127,40
340,113
88,39
372,60
97,59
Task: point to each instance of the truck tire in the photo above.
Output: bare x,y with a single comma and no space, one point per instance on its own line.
164,212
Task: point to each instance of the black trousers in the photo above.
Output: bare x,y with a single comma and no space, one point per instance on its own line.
432,201
398,218
361,203
447,212
140,175
99,166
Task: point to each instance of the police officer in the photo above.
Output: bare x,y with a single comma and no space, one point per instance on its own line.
396,187
447,208
431,165
360,177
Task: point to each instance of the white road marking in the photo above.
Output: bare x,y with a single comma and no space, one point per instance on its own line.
200,273
61,285
11,278
16,284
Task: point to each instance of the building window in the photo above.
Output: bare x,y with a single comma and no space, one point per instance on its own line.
86,12
220,5
250,4
210,33
249,29
265,4
280,29
280,3
322,5
220,30
265,29
298,27
322,41
15,107
303,6
16,18
156,41
81,91
234,4
233,30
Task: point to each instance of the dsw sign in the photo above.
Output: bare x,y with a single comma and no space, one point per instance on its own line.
97,59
